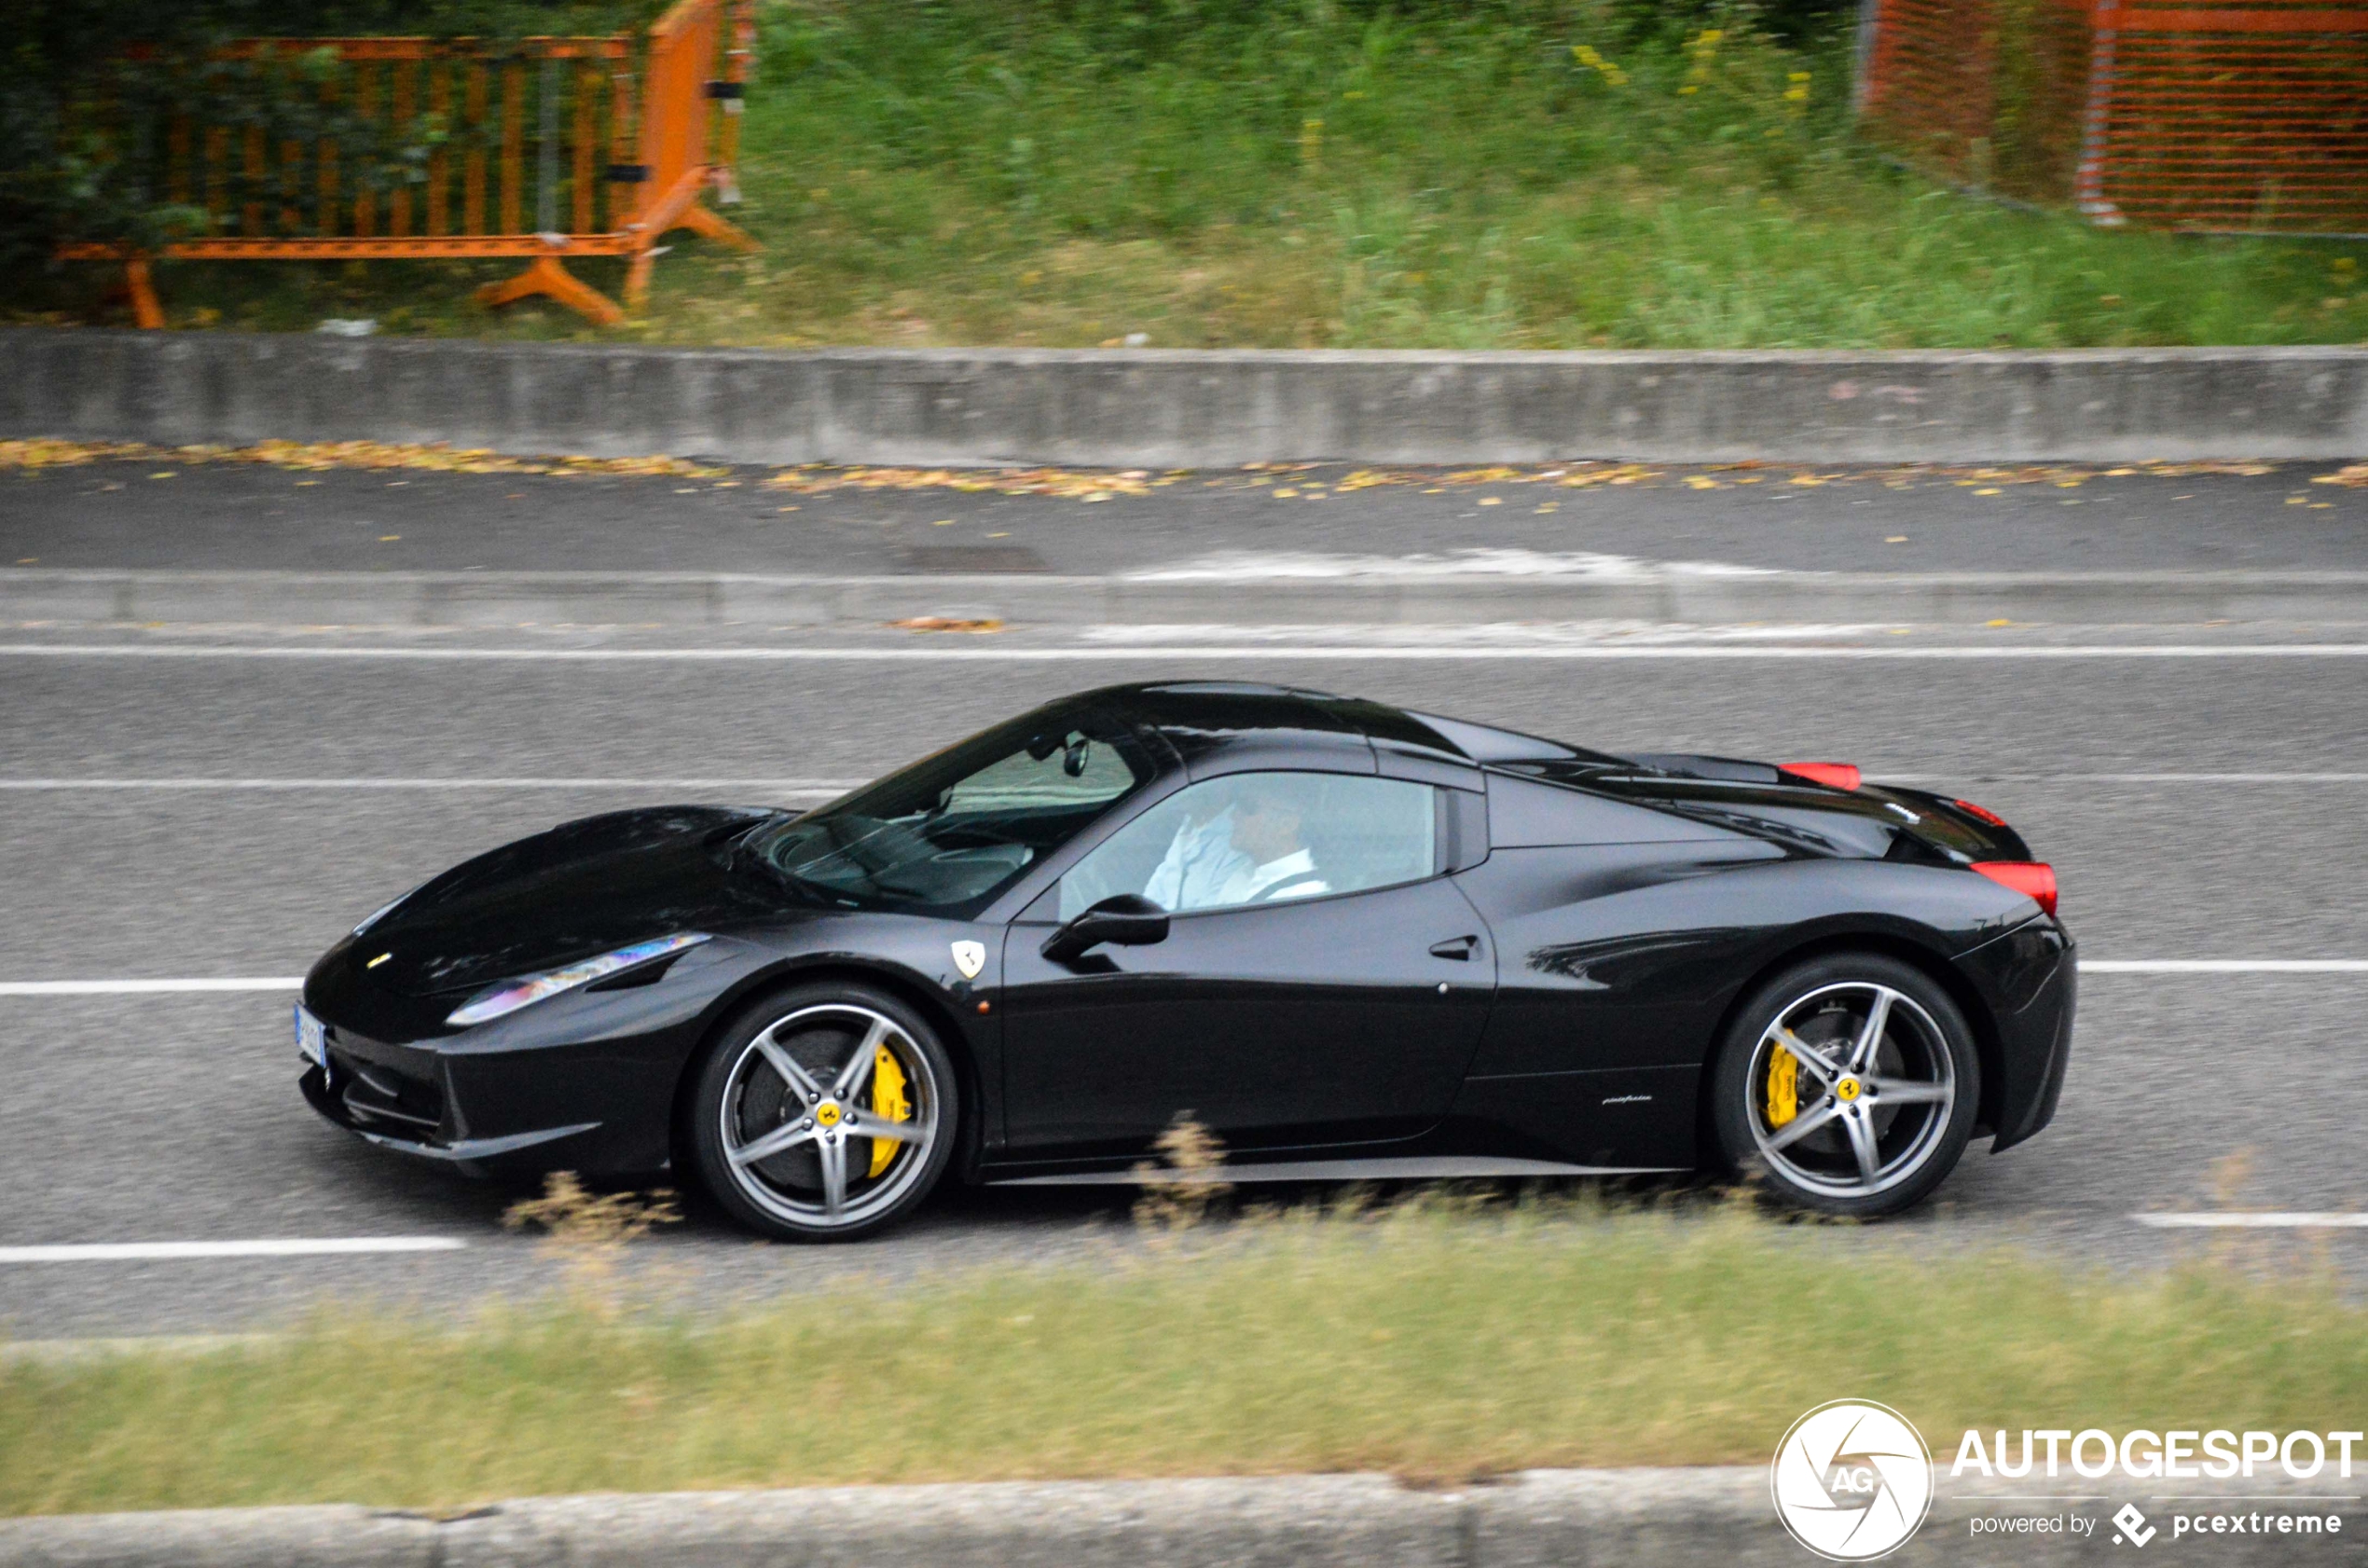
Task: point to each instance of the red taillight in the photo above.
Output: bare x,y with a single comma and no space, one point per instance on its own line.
2035,879
1834,775
1981,813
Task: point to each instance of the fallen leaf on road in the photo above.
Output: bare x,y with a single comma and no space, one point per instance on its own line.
947,622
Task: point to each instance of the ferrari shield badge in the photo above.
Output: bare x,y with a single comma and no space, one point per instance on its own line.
969,957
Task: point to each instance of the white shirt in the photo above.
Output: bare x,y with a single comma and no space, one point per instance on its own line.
1293,876
1199,864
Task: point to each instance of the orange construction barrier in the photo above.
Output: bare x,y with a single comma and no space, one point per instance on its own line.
614,168
2248,118
2228,118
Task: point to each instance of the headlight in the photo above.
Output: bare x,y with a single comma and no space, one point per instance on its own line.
511,994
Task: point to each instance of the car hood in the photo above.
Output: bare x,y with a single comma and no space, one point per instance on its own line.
582,888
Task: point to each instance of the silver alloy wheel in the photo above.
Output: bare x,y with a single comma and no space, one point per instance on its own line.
789,1125
1873,1087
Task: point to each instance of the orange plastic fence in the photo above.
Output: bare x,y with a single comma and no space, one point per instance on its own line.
2227,119
616,162
1998,112
1928,78
2221,118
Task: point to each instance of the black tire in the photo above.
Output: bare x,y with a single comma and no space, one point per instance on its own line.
739,1099
1805,1126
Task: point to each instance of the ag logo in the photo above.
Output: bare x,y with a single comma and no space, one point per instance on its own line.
969,957
1851,1480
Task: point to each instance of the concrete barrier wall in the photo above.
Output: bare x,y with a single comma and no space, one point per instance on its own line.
1542,1518
501,599
1185,408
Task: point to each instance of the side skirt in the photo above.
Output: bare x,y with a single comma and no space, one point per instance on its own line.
1412,1168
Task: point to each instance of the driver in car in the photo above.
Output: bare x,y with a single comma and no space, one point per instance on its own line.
1249,849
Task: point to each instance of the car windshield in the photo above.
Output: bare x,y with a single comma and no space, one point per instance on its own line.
960,825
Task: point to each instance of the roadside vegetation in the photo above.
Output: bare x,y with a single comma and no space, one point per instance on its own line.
1499,173
1440,1340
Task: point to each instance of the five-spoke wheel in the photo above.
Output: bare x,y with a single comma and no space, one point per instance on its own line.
823,1113
1852,1081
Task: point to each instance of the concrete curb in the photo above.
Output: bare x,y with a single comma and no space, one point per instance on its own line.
1154,407
1566,1518
486,601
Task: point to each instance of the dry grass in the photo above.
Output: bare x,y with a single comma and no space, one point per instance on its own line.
1435,1342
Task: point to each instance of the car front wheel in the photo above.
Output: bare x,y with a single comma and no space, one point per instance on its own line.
823,1113
1851,1082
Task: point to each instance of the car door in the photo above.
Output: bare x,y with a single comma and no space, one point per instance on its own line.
1322,981
1617,967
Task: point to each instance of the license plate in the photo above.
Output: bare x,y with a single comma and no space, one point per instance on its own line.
311,1040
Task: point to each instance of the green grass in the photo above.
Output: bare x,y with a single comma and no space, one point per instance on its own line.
1441,1342
1312,174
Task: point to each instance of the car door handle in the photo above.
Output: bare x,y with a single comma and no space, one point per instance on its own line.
1458,948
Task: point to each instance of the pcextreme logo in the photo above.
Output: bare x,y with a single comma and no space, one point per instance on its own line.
1852,1480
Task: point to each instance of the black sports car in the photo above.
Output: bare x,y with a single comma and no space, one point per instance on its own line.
1352,940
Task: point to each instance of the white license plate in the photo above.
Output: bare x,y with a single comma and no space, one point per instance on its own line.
311,1040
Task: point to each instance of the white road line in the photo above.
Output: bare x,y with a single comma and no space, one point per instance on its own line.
2341,1219
52,1353
1980,777
819,789
973,654
815,786
2212,777
131,1252
2223,965
141,987
295,983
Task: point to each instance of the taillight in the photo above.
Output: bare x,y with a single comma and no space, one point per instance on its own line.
1834,775
1981,813
2034,879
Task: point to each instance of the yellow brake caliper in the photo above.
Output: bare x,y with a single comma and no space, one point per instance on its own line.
891,1100
1783,1087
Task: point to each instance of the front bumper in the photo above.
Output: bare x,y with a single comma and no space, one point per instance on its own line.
478,1157
598,1105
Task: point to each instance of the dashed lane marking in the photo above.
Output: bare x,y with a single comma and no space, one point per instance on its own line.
2223,965
143,987
2339,1220
818,788
141,1252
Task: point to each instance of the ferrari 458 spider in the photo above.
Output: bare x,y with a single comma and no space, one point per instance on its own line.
1353,941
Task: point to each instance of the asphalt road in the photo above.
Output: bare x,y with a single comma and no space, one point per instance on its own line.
129,1118
170,515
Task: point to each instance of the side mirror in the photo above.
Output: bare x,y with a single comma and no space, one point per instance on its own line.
1122,920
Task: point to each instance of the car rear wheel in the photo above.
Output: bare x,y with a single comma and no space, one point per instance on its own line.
823,1113
1851,1082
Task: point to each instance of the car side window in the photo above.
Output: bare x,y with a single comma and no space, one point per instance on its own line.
1254,838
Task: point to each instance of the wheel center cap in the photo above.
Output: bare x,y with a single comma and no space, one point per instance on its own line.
827,1113
1845,1090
